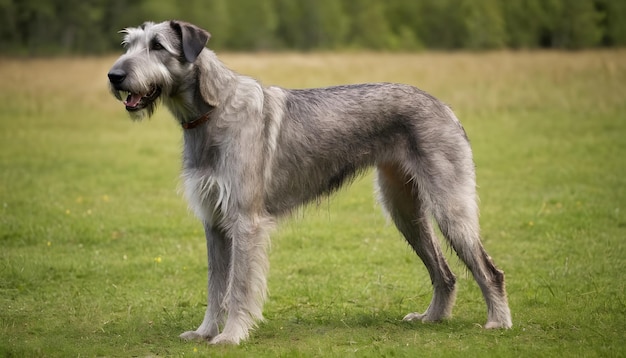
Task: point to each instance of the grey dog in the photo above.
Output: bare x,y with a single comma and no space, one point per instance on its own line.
254,153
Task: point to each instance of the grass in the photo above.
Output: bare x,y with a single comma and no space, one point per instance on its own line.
100,256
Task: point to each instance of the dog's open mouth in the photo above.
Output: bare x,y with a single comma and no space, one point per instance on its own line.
138,101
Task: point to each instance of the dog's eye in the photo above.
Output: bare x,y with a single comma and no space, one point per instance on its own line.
156,45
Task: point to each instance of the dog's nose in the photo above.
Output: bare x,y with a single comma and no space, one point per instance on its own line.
116,76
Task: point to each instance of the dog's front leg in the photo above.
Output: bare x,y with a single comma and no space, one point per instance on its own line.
247,279
219,254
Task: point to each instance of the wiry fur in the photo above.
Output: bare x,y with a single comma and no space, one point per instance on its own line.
266,150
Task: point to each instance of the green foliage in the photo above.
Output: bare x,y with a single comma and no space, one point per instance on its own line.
577,24
100,256
90,26
368,25
253,25
484,23
439,23
615,27
524,21
311,24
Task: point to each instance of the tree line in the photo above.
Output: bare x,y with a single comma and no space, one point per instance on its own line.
44,27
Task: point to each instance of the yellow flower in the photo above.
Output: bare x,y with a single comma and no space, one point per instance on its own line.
105,198
49,243
157,259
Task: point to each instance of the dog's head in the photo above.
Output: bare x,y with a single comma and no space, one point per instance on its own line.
157,56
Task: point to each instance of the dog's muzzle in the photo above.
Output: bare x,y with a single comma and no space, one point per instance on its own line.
134,101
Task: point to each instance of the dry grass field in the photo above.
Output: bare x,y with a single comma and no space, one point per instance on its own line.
99,255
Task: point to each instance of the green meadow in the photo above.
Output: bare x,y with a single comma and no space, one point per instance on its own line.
99,255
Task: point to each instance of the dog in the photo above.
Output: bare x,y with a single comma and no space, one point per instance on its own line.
253,154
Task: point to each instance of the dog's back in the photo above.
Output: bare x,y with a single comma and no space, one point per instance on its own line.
329,135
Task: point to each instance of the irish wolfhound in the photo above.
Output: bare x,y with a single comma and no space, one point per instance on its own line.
254,153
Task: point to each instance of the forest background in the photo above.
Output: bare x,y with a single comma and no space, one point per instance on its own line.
61,27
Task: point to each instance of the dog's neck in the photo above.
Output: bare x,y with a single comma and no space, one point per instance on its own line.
198,121
211,75
188,107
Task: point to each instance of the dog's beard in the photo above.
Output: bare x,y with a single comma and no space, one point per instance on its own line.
146,112
141,114
137,105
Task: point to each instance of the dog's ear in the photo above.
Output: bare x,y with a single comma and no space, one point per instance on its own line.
192,38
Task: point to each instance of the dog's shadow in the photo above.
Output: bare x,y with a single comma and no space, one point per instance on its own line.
358,328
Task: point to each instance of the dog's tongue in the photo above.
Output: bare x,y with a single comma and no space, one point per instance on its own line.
132,100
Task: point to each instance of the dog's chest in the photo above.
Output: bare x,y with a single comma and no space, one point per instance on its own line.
208,196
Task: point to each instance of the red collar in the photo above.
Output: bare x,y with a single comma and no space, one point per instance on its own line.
196,122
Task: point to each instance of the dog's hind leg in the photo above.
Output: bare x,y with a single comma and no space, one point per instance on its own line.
456,211
399,196
218,251
458,220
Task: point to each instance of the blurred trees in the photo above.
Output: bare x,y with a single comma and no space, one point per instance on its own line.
38,27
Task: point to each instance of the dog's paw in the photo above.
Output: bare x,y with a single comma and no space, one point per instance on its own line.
414,316
194,336
496,325
424,317
224,339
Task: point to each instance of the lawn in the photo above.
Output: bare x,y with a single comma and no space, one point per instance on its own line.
101,257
